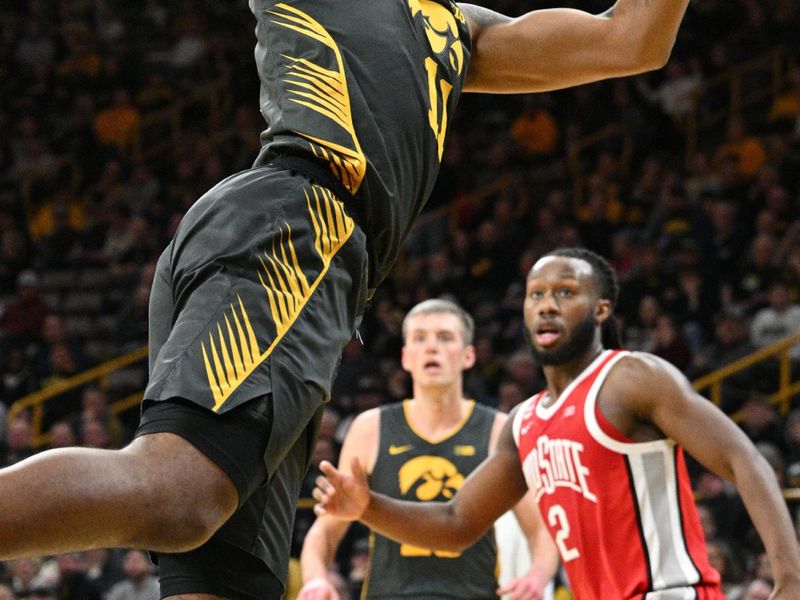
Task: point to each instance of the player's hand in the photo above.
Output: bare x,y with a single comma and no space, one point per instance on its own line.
528,587
318,588
340,495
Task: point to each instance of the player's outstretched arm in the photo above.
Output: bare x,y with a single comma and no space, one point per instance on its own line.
551,49
658,393
492,489
325,535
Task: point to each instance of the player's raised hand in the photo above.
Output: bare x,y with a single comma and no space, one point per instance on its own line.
318,588
341,495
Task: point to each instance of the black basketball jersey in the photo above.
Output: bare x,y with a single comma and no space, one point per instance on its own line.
368,87
411,467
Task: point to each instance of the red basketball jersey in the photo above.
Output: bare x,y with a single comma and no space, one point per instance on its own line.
621,513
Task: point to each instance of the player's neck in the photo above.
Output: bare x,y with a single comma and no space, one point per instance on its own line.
560,376
435,412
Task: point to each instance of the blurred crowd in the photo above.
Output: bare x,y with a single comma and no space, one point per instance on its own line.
94,178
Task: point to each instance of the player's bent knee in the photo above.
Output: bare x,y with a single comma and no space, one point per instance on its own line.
185,495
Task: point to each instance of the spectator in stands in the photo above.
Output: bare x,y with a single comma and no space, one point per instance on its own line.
54,332
21,319
118,125
785,106
62,435
753,278
670,344
13,253
791,434
535,130
523,370
731,341
73,583
640,334
675,219
778,320
723,559
27,574
743,149
760,420
94,434
773,456
94,407
63,366
140,584
132,318
17,378
19,441
60,239
104,568
675,93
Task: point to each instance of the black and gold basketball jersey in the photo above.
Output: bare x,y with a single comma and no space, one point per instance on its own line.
368,88
411,467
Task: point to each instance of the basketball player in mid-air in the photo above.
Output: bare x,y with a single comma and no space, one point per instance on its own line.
602,450
269,272
421,449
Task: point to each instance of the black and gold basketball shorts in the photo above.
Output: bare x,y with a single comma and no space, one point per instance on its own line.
251,306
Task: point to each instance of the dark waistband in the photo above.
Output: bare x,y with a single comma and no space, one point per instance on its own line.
321,174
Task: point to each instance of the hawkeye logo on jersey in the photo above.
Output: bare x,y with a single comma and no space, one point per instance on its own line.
427,478
556,463
394,450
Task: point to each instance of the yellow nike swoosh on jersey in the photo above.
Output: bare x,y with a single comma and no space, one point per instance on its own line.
399,449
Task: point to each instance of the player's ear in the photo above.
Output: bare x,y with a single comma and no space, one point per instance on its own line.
404,360
602,311
469,357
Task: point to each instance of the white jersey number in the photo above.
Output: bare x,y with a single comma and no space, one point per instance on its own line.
557,517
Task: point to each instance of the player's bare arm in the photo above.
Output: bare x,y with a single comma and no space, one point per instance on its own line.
543,550
325,535
656,393
492,489
551,49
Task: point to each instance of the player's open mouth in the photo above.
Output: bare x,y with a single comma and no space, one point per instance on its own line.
547,335
432,365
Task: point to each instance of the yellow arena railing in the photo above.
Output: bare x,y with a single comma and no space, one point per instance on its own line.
787,388
35,402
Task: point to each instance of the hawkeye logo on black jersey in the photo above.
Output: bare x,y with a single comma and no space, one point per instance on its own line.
441,30
428,478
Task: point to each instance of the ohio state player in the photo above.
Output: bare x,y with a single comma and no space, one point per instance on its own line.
601,447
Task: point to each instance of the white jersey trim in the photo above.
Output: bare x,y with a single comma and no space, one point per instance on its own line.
545,412
655,484
600,436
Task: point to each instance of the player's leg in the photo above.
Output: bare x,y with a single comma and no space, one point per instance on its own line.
248,557
160,492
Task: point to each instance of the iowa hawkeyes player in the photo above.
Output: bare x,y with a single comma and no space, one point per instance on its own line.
421,450
269,272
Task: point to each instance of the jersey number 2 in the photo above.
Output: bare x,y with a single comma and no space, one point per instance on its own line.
557,517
